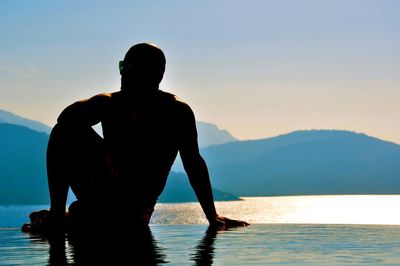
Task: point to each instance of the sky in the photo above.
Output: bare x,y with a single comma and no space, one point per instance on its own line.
255,68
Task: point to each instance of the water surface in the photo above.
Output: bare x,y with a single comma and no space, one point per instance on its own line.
268,244
301,230
341,209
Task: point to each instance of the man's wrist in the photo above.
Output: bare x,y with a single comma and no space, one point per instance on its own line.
212,217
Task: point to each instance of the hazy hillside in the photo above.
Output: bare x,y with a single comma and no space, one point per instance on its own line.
209,134
10,118
22,165
306,162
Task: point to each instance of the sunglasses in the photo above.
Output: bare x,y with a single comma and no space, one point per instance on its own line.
122,66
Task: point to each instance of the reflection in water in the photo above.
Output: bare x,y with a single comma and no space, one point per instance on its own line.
57,251
205,249
268,244
114,247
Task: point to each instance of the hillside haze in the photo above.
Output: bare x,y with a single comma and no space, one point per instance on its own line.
22,165
209,134
10,118
305,163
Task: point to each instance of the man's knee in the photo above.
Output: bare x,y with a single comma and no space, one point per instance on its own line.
75,137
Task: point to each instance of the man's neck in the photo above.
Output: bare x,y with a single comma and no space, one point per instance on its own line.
144,90
138,95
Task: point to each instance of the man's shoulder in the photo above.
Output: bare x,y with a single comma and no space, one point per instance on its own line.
104,96
175,100
99,98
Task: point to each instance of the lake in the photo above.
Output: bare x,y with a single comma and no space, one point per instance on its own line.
299,230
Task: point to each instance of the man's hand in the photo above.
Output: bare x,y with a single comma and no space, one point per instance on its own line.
222,222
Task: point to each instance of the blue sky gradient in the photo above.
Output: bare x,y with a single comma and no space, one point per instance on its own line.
255,68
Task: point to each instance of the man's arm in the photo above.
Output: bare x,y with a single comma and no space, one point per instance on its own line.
86,112
197,172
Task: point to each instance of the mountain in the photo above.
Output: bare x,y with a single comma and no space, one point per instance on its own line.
209,134
10,118
22,165
306,162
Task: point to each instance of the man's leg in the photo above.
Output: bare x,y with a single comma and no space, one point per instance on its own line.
76,159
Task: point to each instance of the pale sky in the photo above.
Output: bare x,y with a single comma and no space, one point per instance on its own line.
254,68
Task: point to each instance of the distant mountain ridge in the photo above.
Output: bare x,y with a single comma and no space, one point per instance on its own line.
22,165
248,149
10,118
209,134
306,162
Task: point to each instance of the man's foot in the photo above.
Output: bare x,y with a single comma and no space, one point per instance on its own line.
42,222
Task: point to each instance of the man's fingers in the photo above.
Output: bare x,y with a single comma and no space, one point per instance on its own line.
231,223
235,223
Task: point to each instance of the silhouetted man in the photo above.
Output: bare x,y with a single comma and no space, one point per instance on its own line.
123,174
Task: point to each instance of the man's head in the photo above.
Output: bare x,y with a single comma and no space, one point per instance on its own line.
143,67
